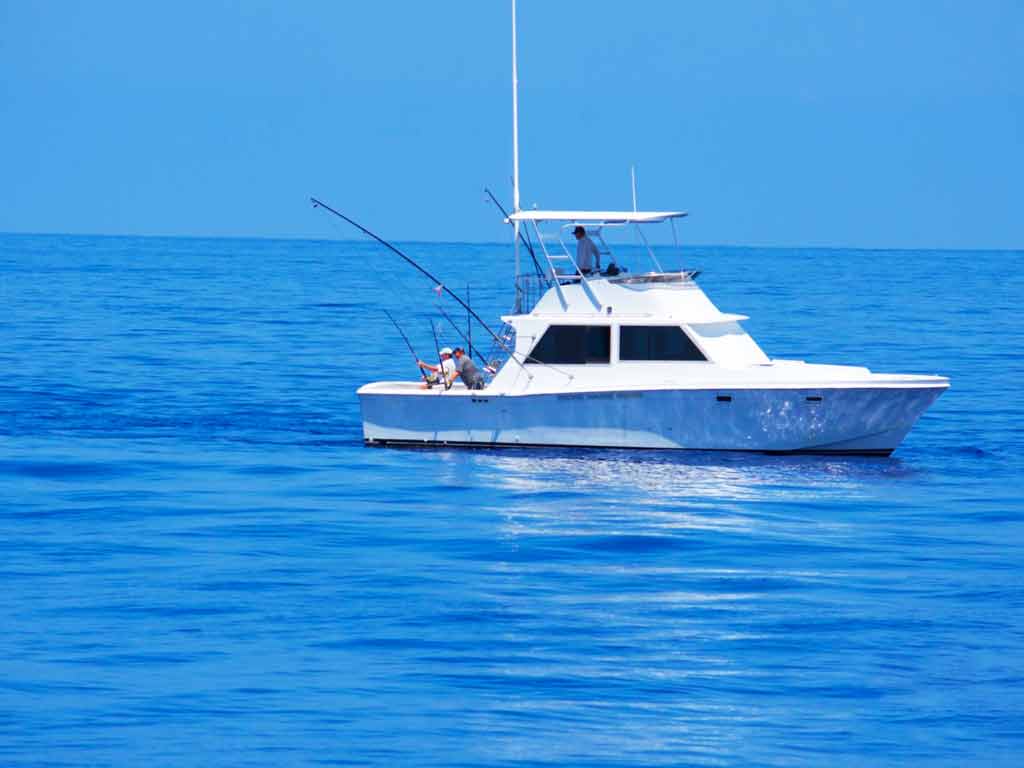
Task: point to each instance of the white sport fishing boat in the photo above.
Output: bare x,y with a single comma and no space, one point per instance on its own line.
640,360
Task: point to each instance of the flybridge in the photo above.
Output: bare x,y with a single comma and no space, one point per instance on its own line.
562,268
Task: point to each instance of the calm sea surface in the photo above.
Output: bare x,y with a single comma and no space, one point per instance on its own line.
202,565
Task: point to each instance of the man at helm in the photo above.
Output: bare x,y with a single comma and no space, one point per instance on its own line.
588,258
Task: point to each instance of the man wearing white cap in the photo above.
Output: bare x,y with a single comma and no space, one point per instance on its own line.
446,368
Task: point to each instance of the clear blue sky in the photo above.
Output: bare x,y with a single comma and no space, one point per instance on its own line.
874,124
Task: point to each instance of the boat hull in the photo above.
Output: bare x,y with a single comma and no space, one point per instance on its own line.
863,420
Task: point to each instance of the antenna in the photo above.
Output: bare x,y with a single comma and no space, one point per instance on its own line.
632,178
515,117
515,159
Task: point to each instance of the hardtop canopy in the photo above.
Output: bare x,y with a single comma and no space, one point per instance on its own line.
604,217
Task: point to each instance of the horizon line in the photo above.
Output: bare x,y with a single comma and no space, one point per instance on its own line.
298,239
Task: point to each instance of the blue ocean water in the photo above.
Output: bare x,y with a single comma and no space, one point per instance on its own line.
202,565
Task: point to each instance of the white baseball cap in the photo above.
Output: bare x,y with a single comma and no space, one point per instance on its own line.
446,350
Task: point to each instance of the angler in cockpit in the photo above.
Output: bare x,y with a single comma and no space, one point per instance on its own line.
439,374
467,369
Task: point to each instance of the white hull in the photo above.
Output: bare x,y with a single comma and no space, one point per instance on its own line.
847,420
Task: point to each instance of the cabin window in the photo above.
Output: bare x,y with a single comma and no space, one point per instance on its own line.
573,345
656,342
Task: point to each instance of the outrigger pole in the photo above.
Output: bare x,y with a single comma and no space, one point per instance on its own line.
525,240
442,286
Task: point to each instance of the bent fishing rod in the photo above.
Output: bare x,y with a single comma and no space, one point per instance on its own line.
408,344
442,286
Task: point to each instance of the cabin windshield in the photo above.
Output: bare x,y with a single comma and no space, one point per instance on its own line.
656,342
591,345
573,345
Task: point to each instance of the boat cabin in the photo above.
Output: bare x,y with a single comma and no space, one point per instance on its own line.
566,318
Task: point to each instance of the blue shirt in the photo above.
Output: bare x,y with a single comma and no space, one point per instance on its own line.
587,255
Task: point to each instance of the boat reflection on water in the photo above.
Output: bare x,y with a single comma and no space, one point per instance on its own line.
686,478
639,501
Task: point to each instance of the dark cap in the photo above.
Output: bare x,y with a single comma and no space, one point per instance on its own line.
579,231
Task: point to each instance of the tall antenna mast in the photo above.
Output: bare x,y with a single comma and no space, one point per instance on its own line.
632,178
515,117
515,157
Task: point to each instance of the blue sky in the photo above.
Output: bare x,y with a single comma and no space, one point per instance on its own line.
864,124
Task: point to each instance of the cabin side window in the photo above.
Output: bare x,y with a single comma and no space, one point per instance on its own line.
656,342
573,345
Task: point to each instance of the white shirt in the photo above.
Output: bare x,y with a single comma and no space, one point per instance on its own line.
448,366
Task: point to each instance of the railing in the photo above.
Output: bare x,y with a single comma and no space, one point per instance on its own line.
497,356
531,288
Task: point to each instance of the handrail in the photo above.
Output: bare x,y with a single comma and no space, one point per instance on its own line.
647,245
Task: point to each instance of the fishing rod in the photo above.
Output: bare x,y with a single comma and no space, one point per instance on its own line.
408,344
440,362
468,340
442,286
525,240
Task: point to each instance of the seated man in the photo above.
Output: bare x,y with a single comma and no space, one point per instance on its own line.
467,369
444,373
588,258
